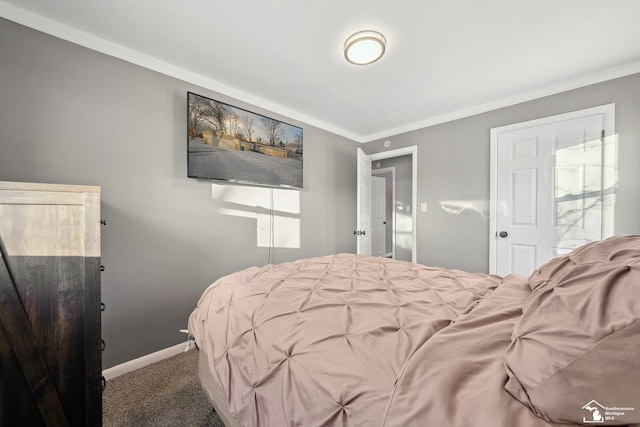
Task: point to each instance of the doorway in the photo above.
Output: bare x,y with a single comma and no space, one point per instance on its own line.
552,187
383,218
403,226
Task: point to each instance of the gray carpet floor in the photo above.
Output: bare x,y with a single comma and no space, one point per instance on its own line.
163,394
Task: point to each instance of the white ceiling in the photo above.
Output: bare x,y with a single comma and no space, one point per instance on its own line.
445,59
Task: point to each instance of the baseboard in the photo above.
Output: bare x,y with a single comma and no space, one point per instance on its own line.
143,361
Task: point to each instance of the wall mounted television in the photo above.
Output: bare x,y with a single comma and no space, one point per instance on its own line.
230,144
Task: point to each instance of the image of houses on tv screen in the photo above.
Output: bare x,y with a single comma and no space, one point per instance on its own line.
232,144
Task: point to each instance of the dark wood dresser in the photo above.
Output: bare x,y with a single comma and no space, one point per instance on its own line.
50,342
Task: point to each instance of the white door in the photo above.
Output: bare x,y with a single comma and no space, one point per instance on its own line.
550,189
378,216
363,230
364,193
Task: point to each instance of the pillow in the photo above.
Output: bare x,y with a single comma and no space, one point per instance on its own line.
575,351
611,249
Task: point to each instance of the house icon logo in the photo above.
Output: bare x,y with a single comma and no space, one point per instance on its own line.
596,413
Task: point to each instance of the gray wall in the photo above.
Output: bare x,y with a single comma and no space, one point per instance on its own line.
70,115
453,164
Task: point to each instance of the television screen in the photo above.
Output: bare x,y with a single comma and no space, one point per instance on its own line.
228,143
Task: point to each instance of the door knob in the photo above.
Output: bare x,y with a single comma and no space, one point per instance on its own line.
503,234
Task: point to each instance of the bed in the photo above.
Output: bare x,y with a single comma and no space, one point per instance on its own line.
352,340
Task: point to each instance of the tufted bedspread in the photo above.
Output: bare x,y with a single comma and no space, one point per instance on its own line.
350,340
322,341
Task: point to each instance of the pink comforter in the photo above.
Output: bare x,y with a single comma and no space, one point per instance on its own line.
333,340
457,378
350,340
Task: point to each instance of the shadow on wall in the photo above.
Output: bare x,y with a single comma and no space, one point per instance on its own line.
276,211
154,274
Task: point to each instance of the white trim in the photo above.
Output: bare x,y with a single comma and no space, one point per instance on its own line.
589,79
143,361
608,117
98,44
413,152
81,38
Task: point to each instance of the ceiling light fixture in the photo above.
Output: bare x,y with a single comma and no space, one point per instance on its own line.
364,47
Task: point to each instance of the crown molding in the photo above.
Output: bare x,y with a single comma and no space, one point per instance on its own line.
73,35
570,84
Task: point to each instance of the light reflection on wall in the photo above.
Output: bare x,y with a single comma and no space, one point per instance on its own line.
404,228
456,207
276,212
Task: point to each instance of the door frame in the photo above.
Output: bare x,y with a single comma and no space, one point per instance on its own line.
392,171
608,121
398,152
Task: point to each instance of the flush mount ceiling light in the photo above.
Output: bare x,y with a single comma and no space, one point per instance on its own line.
364,47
